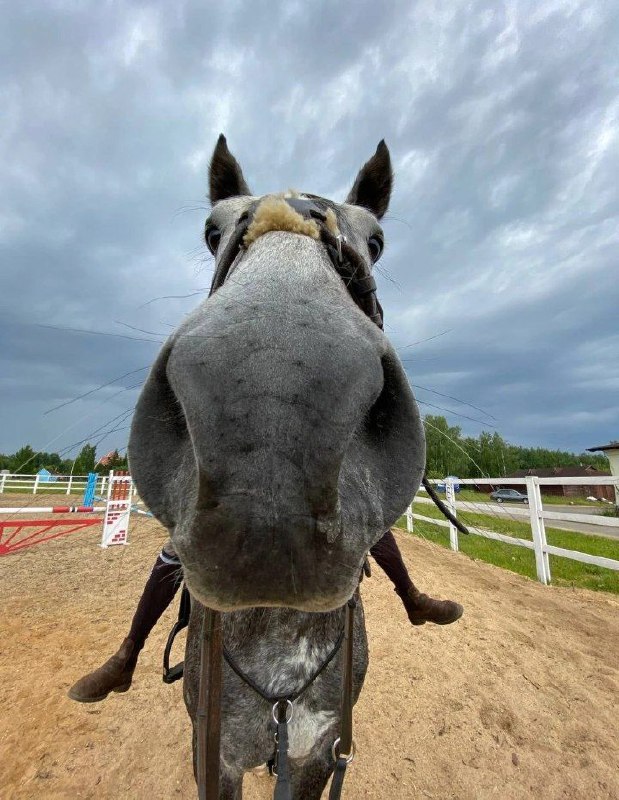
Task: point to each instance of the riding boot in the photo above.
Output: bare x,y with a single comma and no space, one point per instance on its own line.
420,607
117,672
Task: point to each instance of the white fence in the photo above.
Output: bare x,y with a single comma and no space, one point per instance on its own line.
535,513
64,484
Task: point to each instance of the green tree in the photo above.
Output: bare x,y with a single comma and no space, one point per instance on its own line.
24,461
85,461
492,455
445,451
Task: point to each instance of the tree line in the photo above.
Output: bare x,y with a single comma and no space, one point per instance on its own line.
489,455
27,461
448,452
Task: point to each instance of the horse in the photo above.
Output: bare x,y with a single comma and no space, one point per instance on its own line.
277,439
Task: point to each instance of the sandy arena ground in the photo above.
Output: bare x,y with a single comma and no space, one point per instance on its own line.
519,699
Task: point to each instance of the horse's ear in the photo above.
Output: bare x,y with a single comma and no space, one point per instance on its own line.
372,188
225,175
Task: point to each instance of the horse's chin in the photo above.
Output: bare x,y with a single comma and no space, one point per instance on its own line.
217,596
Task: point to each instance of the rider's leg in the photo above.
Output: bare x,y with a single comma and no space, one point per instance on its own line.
117,672
419,607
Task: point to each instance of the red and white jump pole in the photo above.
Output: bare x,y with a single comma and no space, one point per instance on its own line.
54,510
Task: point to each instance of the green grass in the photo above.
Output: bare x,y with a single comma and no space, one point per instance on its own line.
471,496
564,571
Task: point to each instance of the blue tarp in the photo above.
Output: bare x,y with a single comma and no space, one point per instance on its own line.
45,476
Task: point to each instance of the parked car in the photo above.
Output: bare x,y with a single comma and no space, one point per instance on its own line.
440,487
509,496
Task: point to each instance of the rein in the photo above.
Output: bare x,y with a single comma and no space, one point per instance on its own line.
355,273
283,704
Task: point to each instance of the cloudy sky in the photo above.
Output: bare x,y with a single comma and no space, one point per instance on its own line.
500,280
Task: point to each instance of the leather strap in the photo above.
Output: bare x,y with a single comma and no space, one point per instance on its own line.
337,782
346,741
343,749
171,674
442,507
283,789
209,707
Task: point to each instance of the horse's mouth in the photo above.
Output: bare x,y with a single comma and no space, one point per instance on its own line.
317,605
283,591
241,557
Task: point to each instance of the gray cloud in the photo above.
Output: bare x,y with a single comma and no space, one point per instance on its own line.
502,120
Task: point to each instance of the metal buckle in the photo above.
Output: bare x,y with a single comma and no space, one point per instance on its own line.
349,756
289,706
340,238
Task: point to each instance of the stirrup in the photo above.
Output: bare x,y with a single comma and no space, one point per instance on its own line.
175,673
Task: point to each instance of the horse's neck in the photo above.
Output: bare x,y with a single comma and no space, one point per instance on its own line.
282,626
280,647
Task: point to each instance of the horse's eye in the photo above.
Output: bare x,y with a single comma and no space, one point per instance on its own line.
375,245
212,236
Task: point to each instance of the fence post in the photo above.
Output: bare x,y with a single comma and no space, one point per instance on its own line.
36,484
538,529
2,482
409,518
450,497
70,483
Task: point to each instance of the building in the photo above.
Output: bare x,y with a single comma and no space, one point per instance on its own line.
611,451
601,492
107,458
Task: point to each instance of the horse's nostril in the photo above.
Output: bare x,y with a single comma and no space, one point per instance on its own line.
208,498
329,526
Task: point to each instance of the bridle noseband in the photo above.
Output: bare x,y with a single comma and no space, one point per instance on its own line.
355,273
348,263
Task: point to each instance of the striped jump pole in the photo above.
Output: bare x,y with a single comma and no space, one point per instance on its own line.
53,510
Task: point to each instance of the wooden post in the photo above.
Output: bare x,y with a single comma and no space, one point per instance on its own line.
538,529
409,519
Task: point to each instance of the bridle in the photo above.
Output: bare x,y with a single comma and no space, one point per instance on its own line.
356,275
208,714
355,272
348,263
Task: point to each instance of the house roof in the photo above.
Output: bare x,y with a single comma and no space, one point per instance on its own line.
107,458
610,446
560,472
